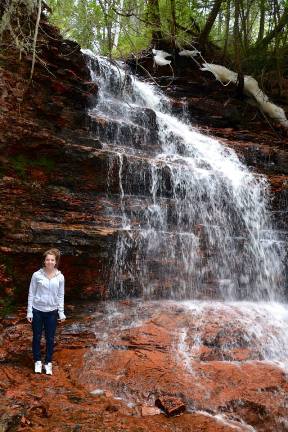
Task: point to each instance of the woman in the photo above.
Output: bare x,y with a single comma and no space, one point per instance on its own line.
45,303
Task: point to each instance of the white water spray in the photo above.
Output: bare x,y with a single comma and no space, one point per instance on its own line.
202,229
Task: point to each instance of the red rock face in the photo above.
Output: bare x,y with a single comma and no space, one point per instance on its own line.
54,173
49,185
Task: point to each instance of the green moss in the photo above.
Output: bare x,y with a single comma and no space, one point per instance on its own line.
2,171
45,163
7,302
7,306
21,164
8,263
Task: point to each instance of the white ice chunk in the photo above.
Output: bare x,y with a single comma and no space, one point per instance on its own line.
97,392
160,57
221,73
189,53
251,88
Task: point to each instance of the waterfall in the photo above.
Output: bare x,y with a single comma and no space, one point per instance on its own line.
193,220
195,244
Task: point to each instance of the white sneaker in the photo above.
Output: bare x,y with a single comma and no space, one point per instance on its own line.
48,368
38,366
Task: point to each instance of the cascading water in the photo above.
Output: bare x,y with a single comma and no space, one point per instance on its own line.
194,220
193,229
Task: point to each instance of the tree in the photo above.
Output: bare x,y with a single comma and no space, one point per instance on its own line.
282,23
153,17
209,22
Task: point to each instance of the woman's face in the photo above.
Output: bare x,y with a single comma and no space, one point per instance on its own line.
50,262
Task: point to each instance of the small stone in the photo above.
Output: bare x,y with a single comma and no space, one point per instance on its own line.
111,408
149,411
171,405
24,421
97,392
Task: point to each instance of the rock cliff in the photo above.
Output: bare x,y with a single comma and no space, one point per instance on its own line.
50,179
54,172
53,178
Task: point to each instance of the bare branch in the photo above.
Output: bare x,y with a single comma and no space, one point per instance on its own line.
35,38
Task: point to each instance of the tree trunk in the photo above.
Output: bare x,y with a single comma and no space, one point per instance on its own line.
244,11
154,19
227,25
273,33
117,26
210,21
173,22
236,36
262,21
220,24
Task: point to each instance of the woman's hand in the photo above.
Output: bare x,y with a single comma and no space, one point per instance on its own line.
29,320
61,320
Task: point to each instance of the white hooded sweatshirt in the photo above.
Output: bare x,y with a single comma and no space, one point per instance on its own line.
46,294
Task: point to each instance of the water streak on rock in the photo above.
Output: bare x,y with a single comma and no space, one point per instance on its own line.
202,228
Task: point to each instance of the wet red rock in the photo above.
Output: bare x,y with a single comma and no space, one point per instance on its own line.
139,364
171,405
148,411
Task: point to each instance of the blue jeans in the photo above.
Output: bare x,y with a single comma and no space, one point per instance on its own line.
48,320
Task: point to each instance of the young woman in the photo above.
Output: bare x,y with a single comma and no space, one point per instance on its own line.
45,303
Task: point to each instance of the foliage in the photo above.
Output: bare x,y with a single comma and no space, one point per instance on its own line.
10,12
251,33
106,26
242,28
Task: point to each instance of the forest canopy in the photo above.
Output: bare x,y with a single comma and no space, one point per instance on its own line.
241,28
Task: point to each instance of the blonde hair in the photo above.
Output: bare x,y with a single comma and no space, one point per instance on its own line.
55,252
